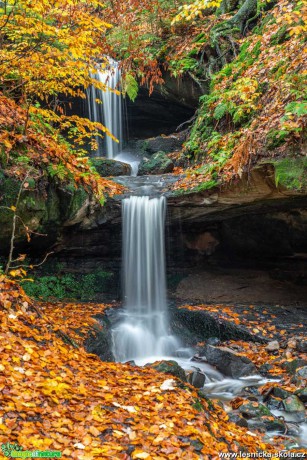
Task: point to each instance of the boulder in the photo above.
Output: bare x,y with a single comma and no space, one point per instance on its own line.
302,372
272,346
293,404
167,144
169,367
292,366
302,394
274,403
253,409
159,163
109,168
99,341
197,379
238,419
281,393
228,362
267,423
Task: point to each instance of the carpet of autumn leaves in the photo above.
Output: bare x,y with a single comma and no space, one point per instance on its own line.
58,397
263,322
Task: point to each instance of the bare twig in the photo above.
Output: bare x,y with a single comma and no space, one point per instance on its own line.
186,122
13,234
33,266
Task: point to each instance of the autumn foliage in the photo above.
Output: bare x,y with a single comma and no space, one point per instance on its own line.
55,396
48,50
255,110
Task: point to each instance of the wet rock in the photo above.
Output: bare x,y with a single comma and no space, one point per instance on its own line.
131,362
302,394
107,167
167,144
272,423
199,359
302,345
159,163
197,379
99,341
292,366
272,346
238,419
228,362
256,424
265,368
213,341
169,367
254,410
293,404
281,393
300,376
302,372
274,403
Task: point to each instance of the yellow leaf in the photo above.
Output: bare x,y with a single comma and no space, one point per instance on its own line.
26,357
94,431
140,454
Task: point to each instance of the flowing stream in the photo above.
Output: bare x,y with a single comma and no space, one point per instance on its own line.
143,331
109,112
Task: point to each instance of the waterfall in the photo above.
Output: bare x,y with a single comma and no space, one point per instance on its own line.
143,332
109,112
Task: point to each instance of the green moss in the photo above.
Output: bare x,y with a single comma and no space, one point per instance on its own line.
280,36
291,173
68,286
275,138
78,198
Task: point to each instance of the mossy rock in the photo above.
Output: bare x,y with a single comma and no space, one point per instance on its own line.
293,404
169,367
31,210
110,168
43,208
159,163
254,410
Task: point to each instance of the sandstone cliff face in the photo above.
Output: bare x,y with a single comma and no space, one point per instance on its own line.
250,221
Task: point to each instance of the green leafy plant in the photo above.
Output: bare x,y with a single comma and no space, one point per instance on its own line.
130,87
68,286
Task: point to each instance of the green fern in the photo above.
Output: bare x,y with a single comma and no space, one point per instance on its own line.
58,171
130,87
220,111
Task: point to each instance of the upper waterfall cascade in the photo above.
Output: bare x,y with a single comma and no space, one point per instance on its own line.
110,111
143,331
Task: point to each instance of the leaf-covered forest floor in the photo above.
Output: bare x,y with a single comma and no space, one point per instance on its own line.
56,396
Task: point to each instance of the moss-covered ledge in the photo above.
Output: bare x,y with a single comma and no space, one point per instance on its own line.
268,186
43,208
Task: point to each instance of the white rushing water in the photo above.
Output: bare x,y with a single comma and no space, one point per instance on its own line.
143,329
109,112
131,159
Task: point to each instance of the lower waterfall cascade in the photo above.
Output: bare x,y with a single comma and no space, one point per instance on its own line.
143,329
